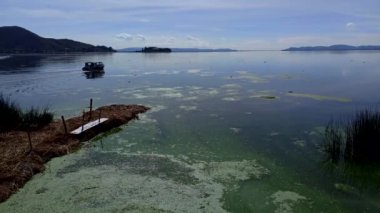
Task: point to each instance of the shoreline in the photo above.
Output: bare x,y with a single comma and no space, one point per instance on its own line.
20,163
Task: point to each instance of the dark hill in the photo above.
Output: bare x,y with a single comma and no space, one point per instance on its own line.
15,39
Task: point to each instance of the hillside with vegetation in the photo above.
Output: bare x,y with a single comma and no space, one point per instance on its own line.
14,39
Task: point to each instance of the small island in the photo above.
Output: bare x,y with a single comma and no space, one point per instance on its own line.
154,50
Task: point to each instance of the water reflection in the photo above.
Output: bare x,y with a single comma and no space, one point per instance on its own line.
93,75
18,62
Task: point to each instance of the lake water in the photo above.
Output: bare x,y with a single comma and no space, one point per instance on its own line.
234,132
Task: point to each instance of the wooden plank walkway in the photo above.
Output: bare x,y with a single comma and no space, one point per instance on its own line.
87,126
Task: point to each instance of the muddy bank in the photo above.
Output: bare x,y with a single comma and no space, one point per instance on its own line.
19,163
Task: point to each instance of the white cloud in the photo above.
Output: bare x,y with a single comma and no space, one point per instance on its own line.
129,37
171,23
124,36
191,38
139,40
140,37
192,41
350,26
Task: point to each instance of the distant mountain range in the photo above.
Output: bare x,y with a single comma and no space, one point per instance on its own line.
138,49
14,39
339,47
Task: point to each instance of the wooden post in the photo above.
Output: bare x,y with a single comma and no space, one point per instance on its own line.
64,124
30,142
89,119
82,120
100,111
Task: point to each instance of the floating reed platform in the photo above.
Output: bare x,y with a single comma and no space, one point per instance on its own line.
22,158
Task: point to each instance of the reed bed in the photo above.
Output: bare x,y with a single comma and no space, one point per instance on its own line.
356,140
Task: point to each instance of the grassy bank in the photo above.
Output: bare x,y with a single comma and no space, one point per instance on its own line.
24,154
14,118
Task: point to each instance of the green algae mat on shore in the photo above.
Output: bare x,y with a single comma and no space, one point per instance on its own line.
217,139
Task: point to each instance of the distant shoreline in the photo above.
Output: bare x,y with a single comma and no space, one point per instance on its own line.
129,52
178,50
337,47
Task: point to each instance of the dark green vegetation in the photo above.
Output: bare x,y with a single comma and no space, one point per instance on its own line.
36,118
13,118
356,141
10,114
339,47
15,39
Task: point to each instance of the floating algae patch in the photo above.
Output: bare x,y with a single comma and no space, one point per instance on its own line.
90,181
347,189
267,97
286,200
194,87
319,97
194,71
264,94
235,130
273,134
108,189
201,93
231,92
108,133
140,96
163,72
142,164
156,108
188,108
231,86
232,99
190,98
212,91
244,75
299,142
165,92
146,118
234,171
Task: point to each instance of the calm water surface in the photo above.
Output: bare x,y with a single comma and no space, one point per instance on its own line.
235,132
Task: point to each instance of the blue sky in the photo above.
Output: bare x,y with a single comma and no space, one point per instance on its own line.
239,24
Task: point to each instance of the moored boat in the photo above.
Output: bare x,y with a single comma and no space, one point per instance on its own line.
93,66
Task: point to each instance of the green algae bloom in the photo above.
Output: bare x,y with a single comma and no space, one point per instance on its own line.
244,75
286,200
319,97
268,97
